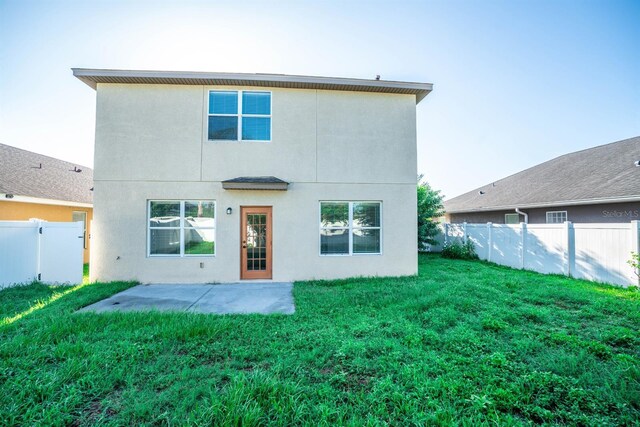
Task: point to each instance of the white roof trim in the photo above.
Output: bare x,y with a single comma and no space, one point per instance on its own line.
94,76
550,204
27,199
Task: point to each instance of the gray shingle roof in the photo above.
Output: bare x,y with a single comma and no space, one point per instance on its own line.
21,175
255,183
606,172
257,179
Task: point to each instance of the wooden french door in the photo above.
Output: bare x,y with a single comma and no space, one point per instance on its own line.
255,242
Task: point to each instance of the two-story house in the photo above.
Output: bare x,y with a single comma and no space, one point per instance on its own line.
215,177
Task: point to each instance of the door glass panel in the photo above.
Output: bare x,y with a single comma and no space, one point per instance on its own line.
256,242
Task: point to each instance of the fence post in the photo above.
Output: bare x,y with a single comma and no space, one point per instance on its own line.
39,228
464,232
570,252
523,242
490,240
635,243
446,233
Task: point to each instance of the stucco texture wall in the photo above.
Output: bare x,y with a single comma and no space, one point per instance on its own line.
296,236
151,144
17,211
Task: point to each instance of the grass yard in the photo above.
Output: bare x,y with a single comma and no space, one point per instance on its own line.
464,343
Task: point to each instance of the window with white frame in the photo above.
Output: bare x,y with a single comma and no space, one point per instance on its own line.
556,217
239,116
512,218
350,228
181,228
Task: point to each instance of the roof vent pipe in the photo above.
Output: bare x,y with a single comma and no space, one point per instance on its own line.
526,216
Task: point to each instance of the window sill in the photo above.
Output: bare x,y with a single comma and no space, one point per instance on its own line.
180,256
345,255
236,141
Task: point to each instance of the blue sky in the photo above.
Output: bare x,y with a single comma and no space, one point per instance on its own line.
516,82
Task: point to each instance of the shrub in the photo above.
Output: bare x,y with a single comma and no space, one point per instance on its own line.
456,250
430,208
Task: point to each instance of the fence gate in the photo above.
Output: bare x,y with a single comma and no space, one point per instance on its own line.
61,250
38,250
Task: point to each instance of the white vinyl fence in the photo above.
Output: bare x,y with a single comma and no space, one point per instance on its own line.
596,252
39,250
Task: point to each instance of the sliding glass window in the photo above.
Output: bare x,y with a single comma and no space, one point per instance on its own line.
181,228
350,228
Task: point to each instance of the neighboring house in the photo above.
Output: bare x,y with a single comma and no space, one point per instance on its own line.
37,186
597,185
212,177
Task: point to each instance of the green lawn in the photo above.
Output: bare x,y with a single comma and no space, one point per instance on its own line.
464,343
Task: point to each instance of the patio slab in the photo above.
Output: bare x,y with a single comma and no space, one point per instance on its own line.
263,298
229,298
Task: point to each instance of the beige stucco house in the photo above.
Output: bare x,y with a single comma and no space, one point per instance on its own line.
212,177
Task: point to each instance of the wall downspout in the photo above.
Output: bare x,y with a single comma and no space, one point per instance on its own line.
526,216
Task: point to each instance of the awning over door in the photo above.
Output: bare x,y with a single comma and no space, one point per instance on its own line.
255,183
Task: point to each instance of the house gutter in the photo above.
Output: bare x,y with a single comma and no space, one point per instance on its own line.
40,201
560,203
92,77
526,216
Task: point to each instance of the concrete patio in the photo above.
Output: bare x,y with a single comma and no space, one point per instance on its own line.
229,298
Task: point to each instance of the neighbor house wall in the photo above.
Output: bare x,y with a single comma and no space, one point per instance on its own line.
330,145
600,213
18,211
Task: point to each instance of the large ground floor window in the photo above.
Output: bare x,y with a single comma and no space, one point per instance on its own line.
350,228
181,228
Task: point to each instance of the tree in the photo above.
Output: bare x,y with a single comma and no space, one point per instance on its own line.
634,262
430,208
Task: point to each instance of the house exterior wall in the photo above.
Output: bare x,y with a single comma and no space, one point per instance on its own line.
599,213
18,211
151,144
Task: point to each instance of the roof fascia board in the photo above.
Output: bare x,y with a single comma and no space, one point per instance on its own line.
550,204
40,201
89,76
255,186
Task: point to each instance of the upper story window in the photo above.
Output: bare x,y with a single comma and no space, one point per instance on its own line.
239,116
556,217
